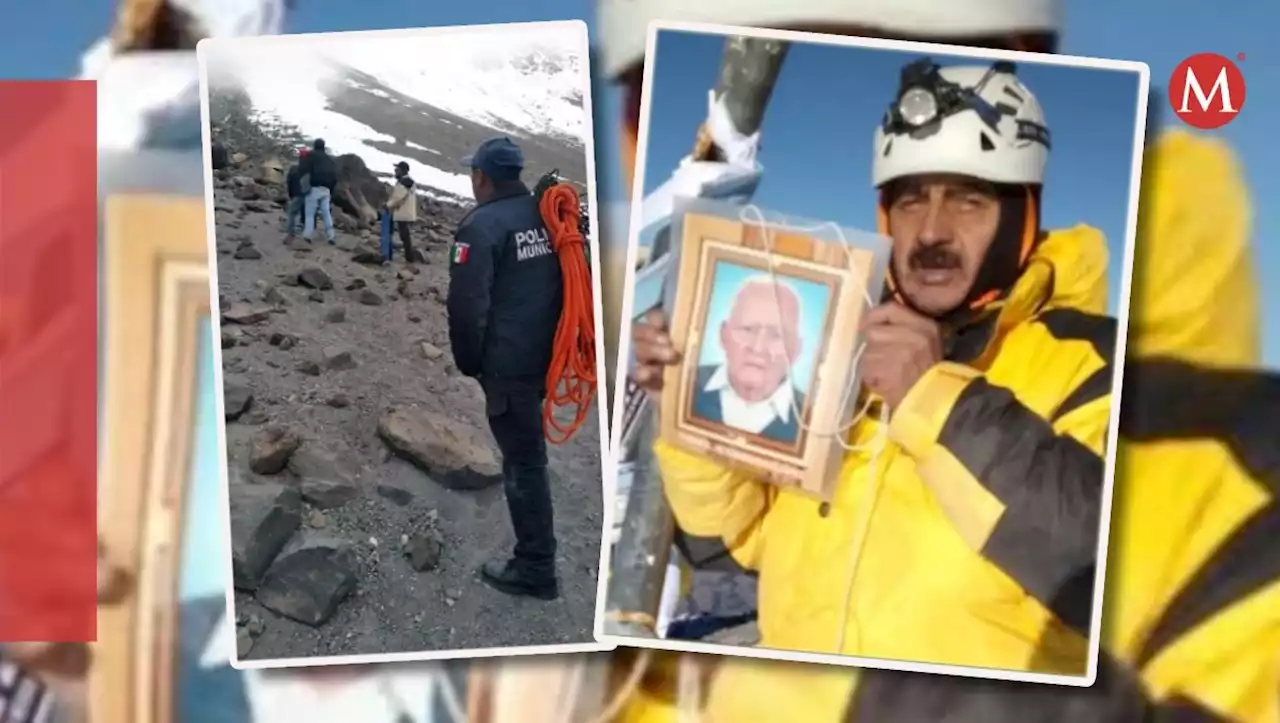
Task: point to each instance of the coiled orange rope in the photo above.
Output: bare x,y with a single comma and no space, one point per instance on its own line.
571,379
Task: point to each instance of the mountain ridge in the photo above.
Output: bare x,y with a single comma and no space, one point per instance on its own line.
385,110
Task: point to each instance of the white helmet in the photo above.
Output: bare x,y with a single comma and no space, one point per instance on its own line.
624,24
978,121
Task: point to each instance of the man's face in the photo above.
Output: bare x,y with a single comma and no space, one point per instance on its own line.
942,227
760,340
477,184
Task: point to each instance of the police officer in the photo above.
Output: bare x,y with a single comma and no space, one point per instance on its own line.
505,297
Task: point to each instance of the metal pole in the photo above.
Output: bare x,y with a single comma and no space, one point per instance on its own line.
640,558
749,70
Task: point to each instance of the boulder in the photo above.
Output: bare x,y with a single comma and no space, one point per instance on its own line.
236,400
263,518
271,172
452,454
272,448
309,580
322,480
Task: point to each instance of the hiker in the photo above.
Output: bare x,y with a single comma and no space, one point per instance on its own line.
1176,645
322,174
403,207
297,184
955,276
504,304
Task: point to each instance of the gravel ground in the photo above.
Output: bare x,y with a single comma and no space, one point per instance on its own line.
336,412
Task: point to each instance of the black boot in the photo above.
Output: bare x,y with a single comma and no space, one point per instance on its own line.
508,577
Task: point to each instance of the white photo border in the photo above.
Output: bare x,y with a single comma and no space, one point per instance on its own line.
202,51
1143,72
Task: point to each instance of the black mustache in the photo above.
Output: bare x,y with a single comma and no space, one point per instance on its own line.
934,258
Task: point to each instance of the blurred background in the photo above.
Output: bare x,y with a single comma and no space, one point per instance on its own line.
47,39
50,39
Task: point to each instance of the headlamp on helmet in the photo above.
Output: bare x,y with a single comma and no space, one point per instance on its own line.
926,98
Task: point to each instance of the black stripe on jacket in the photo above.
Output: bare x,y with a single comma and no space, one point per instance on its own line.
1165,400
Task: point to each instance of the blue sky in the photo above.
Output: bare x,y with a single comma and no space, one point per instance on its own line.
204,550
44,40
817,133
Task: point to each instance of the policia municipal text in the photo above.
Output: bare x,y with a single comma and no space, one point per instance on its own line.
505,299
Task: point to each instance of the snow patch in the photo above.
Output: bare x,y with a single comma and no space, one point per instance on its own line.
420,147
517,82
523,82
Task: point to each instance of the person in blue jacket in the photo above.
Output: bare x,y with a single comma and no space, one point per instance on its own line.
505,298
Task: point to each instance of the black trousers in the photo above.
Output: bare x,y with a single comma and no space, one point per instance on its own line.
403,228
515,418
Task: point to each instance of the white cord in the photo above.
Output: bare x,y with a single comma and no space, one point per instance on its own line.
452,700
767,230
860,533
876,446
689,677
569,693
458,714
688,689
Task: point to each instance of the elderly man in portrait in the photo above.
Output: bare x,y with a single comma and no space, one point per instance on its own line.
752,389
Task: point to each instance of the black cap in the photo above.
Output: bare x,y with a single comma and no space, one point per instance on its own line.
403,166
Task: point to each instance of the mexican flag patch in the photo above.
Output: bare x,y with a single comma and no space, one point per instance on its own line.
460,253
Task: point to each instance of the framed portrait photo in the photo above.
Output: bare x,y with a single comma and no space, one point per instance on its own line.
767,319
156,334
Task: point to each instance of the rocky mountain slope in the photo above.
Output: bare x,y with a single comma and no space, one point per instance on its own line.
425,101
364,484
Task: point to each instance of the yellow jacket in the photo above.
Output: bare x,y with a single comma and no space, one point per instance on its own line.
1191,620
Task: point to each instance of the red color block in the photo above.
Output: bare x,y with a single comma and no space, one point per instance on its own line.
48,360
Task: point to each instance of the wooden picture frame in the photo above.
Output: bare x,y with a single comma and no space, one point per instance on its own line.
542,689
712,249
156,299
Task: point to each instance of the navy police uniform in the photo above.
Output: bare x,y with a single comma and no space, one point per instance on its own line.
505,298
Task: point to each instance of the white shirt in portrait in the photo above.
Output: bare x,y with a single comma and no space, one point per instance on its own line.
752,417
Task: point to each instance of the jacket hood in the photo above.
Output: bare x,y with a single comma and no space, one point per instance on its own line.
406,181
1195,293
1067,270
1072,263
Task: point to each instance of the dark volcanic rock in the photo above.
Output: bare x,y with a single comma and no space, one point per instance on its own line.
272,448
315,278
236,399
452,455
308,582
323,481
423,551
263,518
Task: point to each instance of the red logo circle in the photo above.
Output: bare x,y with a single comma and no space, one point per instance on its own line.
1206,91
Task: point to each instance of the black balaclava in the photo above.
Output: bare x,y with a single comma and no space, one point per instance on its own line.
1017,232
